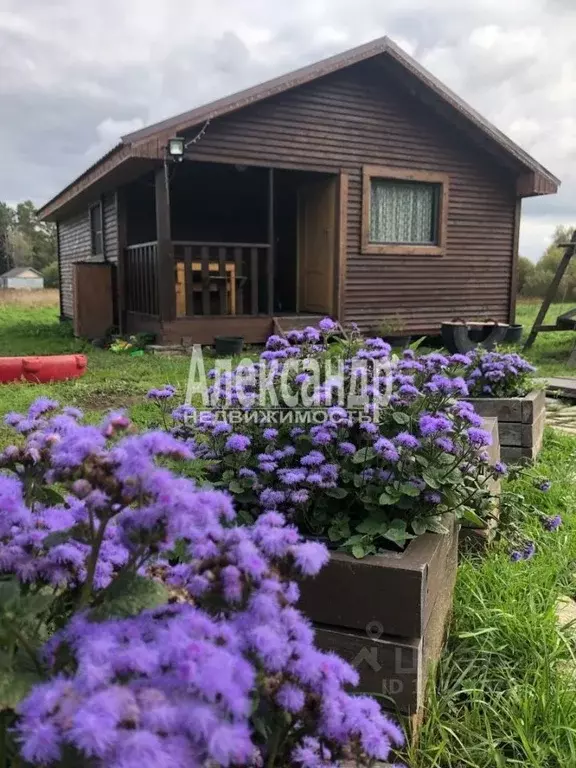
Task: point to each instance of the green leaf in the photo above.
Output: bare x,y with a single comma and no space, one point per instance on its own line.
386,498
128,595
32,605
9,593
422,460
398,537
401,418
370,525
359,481
235,487
363,455
336,493
435,525
419,526
51,496
409,490
430,480
358,551
14,686
471,517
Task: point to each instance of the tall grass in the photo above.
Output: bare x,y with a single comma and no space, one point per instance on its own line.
49,297
506,689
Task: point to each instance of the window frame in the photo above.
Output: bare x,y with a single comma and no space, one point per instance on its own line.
93,252
386,173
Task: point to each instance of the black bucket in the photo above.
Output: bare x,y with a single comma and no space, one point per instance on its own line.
227,346
514,334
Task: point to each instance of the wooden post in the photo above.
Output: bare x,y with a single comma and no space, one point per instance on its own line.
553,287
166,276
122,243
270,265
515,265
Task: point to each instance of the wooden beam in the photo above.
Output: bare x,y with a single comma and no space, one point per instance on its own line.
122,243
188,282
271,236
166,276
341,245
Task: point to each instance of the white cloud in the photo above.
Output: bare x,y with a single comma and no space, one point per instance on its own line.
75,76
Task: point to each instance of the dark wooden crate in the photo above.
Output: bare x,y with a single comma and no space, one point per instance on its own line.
396,591
521,422
393,666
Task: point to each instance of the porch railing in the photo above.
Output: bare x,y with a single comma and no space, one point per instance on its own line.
141,279
209,278
221,278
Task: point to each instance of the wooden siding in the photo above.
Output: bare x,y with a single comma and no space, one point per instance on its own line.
110,215
74,245
358,117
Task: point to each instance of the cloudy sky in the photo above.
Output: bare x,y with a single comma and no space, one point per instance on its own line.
74,76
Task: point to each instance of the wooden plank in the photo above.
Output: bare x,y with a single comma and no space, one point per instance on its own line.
502,408
533,405
166,287
341,252
122,244
271,243
240,279
254,280
204,258
223,281
188,280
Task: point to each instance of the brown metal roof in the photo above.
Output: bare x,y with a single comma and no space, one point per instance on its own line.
293,79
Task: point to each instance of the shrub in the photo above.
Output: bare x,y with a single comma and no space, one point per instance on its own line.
132,672
498,374
366,485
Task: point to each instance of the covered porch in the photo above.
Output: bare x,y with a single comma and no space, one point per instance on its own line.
217,248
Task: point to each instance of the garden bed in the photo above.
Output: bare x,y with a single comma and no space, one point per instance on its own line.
521,422
386,614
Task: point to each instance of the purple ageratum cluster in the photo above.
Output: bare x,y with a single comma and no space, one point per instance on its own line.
178,687
498,374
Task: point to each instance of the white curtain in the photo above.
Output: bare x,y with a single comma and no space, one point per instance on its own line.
402,212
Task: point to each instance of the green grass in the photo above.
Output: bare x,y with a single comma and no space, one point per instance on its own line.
504,695
111,381
550,351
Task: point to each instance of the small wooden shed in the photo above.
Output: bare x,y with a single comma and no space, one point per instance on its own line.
359,187
22,278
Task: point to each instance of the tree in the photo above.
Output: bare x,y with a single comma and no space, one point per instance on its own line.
525,270
7,222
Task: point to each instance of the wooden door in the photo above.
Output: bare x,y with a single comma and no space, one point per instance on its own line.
317,242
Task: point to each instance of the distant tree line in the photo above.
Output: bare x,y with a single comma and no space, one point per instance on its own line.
534,278
25,241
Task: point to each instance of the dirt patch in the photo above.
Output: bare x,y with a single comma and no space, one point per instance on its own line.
106,401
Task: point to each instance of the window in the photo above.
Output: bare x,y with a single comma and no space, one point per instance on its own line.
404,212
96,239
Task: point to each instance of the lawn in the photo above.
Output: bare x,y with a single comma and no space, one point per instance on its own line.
506,690
550,351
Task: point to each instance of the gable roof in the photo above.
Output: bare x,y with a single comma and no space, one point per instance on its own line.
134,144
21,272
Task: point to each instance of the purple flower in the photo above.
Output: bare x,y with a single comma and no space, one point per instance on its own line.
310,557
291,698
327,325
433,425
479,437
552,523
386,449
406,440
238,443
543,485
270,433
433,497
346,448
312,459
500,468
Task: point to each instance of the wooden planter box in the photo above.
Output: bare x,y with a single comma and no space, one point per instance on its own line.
521,423
479,538
386,614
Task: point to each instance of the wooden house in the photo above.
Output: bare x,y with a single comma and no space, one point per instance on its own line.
359,187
